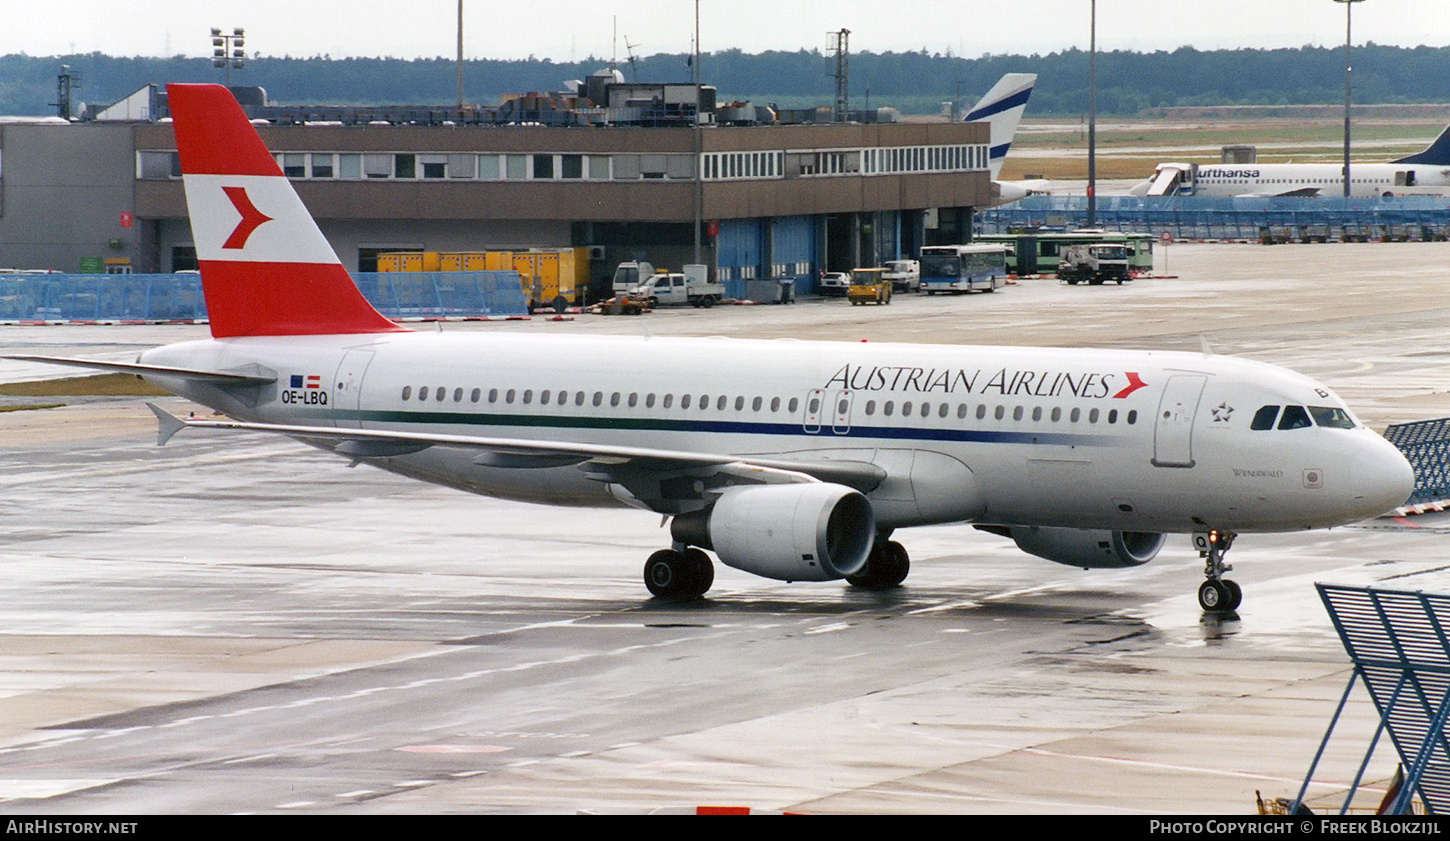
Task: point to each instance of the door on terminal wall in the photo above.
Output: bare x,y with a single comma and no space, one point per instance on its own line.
840,245
911,233
868,229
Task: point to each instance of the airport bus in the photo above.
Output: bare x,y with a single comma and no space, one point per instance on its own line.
1035,252
963,268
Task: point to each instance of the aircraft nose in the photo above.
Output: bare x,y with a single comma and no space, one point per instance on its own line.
1383,476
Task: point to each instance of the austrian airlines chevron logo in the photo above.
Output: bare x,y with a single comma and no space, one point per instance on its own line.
1134,383
252,218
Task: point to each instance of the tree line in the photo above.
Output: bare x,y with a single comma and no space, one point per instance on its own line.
914,82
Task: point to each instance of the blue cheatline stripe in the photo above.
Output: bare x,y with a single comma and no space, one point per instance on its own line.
892,433
998,152
992,109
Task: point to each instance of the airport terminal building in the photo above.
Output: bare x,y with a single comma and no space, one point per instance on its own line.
774,200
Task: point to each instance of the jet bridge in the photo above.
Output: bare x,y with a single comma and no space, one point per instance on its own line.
1173,180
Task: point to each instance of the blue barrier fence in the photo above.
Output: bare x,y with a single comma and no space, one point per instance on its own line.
178,297
1427,445
1193,217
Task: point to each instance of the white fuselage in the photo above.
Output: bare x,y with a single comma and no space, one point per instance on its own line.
1366,179
1131,440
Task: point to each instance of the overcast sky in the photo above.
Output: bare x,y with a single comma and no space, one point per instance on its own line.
566,30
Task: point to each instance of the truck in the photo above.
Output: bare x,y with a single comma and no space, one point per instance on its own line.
904,275
693,288
1094,263
630,275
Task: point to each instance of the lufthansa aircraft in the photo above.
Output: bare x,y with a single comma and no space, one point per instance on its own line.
795,462
1423,173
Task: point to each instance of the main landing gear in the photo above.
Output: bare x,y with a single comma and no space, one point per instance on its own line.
886,566
1217,594
685,573
680,575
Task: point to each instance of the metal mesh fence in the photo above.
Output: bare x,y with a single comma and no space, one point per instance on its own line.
1409,218
126,298
1427,445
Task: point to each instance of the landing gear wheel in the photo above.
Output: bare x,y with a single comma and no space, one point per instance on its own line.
679,576
664,572
1235,594
1214,597
886,567
701,570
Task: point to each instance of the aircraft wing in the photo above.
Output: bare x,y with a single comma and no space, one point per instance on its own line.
664,481
217,377
1300,193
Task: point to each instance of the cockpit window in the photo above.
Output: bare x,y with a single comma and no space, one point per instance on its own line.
1295,417
1331,417
1264,418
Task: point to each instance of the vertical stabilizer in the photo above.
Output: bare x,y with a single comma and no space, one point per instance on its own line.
1002,109
265,267
1436,154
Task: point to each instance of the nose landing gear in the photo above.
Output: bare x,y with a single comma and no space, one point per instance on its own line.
1217,594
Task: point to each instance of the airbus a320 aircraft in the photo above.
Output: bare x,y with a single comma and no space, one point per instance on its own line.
795,462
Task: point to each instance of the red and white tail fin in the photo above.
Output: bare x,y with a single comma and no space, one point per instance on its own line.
266,268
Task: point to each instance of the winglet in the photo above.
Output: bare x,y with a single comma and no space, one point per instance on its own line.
167,424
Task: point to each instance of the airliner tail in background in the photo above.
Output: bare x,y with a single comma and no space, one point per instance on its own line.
1002,108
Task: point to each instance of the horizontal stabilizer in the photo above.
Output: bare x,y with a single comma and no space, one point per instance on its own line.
214,377
168,424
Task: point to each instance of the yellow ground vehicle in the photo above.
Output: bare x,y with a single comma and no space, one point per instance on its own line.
868,286
550,277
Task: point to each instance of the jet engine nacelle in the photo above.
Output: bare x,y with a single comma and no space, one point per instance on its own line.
813,531
1089,548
